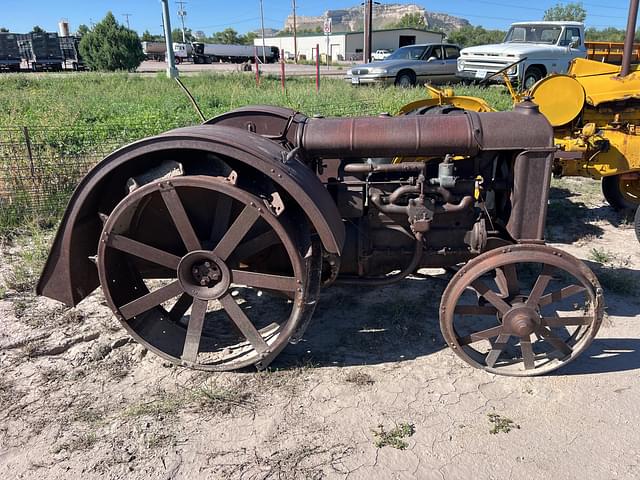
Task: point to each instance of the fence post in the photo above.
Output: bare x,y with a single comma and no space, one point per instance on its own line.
255,60
317,67
282,72
27,141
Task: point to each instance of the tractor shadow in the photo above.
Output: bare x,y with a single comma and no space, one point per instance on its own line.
606,355
363,325
568,217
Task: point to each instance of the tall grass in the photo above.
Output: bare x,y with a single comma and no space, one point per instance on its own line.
75,120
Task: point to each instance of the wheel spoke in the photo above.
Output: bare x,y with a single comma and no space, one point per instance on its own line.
558,321
243,323
221,218
180,307
180,219
150,300
236,232
194,330
554,340
540,286
562,294
143,251
264,280
475,310
257,244
491,296
482,335
497,348
507,280
527,353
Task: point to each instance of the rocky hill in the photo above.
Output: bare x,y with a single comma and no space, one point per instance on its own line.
384,16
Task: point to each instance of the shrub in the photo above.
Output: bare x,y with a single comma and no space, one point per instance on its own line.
110,46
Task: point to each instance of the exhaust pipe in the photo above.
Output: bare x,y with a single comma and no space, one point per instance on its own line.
629,38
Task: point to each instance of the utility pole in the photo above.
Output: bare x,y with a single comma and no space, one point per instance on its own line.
126,16
264,60
295,33
182,13
172,71
368,27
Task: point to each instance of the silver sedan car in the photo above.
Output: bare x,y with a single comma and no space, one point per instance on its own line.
410,65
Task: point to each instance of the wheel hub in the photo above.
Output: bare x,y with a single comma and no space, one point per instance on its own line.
203,275
521,320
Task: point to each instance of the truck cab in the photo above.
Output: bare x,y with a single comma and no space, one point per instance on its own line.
547,47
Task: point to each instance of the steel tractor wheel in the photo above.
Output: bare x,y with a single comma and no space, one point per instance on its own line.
204,273
622,192
521,310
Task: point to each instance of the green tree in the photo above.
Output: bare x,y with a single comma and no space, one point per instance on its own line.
228,36
37,29
176,35
248,38
469,36
570,12
109,46
4,30
411,20
82,30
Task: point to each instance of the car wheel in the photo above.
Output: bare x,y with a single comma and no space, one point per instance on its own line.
531,77
405,80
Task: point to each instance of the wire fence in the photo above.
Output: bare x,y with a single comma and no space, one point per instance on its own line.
40,166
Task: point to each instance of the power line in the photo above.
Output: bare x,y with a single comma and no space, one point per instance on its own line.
126,16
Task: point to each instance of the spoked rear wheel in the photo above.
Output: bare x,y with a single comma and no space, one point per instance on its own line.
204,273
521,310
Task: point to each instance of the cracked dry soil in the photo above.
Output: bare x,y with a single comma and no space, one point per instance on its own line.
79,400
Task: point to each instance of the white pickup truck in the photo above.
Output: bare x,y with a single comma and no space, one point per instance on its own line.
548,48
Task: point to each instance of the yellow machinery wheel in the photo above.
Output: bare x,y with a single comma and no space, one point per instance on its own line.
622,191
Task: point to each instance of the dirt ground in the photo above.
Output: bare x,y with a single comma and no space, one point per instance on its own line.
79,400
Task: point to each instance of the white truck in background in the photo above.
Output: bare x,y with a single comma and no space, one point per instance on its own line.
547,47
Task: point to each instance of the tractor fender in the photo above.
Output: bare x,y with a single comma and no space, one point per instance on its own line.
69,274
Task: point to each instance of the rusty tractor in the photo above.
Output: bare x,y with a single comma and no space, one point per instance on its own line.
211,243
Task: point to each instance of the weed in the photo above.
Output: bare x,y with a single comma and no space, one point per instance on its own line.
359,378
602,256
168,405
222,400
501,424
394,437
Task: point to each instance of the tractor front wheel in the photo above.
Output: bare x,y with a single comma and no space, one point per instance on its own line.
637,223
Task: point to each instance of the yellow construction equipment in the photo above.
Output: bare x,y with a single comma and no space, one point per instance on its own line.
595,112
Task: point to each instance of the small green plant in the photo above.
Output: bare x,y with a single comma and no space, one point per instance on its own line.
163,406
601,255
83,441
501,424
395,437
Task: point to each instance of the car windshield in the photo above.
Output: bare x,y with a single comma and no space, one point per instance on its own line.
533,34
407,53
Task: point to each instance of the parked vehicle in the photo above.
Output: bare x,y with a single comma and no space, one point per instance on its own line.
182,52
41,51
381,54
154,51
217,52
71,53
540,47
410,65
9,52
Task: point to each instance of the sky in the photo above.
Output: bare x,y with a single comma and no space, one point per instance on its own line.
244,15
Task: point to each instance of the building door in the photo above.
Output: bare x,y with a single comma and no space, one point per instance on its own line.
406,40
